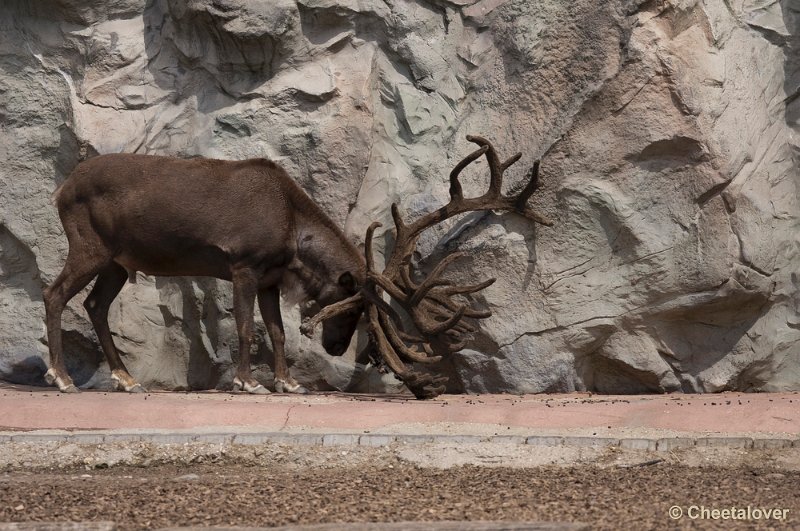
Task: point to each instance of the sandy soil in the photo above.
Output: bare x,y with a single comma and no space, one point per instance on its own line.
144,486
230,493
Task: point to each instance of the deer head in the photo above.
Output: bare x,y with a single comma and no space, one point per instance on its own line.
435,307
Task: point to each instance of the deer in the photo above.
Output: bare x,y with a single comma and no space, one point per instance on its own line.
246,222
249,223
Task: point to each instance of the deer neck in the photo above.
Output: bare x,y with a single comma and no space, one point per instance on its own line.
323,254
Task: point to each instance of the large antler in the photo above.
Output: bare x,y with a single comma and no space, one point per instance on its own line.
431,303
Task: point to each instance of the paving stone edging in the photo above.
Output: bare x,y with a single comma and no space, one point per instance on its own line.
379,439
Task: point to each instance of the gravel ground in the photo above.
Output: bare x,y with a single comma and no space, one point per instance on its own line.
244,494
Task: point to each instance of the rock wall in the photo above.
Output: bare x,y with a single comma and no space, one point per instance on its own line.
667,131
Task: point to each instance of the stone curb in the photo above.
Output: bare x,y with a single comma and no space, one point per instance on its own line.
383,439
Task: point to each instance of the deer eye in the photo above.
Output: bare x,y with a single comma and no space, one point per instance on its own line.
347,281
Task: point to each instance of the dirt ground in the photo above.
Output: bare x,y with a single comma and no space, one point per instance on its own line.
243,494
168,477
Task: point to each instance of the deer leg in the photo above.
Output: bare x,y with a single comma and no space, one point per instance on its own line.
106,288
245,286
77,273
269,303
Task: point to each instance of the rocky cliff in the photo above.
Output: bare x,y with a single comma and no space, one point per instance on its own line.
667,131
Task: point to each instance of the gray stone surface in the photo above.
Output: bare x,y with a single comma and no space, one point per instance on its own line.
728,442
408,438
771,443
170,438
122,437
87,438
38,438
461,439
544,440
376,440
639,444
253,439
507,439
586,442
668,132
674,443
214,438
340,439
194,438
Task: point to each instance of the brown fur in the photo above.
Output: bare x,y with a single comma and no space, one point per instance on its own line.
244,221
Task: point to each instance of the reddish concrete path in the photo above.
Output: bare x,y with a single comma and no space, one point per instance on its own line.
28,408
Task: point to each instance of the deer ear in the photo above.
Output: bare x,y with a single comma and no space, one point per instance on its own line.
347,281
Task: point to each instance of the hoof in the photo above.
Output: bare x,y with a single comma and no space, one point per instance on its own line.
293,388
64,385
252,389
124,382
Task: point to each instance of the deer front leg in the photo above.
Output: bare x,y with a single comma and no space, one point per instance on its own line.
245,285
269,303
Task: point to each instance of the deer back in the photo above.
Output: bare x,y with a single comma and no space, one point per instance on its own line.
170,216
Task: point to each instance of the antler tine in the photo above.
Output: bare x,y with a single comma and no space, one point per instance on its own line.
452,307
433,279
495,167
388,286
399,224
405,274
444,308
455,347
455,186
374,298
510,161
397,343
465,290
410,338
370,259
433,329
531,187
346,305
384,347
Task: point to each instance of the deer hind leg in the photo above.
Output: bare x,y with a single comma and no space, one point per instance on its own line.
106,288
78,271
245,285
269,303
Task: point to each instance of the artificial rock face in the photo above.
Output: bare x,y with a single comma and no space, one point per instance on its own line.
667,132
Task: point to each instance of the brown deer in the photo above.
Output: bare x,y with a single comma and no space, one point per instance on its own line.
246,222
